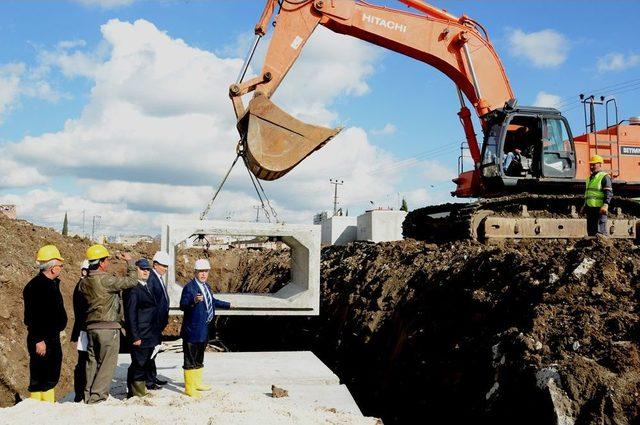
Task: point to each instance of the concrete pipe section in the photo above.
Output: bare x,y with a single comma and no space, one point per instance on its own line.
301,297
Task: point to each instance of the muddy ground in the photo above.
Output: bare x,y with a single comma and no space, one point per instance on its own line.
531,332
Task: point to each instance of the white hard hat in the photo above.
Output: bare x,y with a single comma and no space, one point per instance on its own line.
161,257
85,264
202,264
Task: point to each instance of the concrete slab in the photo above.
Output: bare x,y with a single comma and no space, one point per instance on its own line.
381,225
309,381
300,297
339,230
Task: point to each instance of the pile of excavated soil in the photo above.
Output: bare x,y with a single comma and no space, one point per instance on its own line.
535,332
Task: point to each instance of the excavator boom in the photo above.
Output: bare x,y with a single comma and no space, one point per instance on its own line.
275,142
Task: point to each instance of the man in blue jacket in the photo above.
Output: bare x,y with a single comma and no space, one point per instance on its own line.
158,287
141,321
199,308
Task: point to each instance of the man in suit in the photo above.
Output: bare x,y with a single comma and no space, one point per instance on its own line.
79,332
158,288
199,308
141,322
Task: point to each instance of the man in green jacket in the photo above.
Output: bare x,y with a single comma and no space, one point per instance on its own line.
103,320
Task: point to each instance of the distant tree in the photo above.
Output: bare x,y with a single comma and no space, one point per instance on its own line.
65,226
347,213
404,206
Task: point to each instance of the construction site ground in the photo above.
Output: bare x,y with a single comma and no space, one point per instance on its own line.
540,332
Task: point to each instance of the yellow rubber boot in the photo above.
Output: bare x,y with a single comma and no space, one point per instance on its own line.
191,383
200,386
37,395
49,396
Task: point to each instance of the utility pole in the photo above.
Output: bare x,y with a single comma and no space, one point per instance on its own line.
335,183
83,233
257,208
94,226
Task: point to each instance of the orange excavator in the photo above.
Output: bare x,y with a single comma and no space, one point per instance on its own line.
536,196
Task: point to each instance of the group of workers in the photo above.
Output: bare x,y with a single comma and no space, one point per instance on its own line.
104,306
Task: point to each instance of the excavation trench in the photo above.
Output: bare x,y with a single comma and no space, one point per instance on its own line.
533,332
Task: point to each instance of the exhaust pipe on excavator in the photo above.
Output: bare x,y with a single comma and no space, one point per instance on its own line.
274,142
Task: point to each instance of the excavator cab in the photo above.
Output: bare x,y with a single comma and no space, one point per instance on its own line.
525,145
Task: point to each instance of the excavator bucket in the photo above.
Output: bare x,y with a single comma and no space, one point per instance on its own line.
275,142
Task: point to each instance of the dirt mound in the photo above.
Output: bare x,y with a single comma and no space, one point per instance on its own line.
539,332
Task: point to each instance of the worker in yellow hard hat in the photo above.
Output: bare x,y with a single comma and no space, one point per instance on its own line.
101,293
598,194
45,317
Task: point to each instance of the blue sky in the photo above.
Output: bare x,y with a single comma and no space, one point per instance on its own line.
61,94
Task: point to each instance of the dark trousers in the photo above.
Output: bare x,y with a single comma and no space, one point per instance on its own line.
193,355
152,372
139,367
80,376
44,371
596,223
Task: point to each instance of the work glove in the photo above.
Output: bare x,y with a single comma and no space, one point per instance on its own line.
604,209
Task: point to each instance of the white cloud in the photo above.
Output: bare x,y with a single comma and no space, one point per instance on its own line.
10,75
16,80
105,4
15,175
159,131
547,100
618,61
387,130
545,49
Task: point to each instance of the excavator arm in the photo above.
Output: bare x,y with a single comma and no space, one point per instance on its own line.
274,142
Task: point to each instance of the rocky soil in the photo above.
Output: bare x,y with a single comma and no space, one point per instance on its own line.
534,332
540,332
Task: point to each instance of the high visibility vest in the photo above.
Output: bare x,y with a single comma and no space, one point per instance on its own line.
594,195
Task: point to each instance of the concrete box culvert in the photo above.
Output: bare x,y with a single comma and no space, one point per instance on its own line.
300,297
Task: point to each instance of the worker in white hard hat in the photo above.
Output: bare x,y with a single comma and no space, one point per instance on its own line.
199,308
79,336
157,285
45,317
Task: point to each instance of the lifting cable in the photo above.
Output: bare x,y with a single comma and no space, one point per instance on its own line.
255,180
262,195
215,195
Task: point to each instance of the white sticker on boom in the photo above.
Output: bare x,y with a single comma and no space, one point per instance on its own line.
296,42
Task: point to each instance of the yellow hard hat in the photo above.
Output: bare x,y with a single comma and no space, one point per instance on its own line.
96,252
596,159
48,253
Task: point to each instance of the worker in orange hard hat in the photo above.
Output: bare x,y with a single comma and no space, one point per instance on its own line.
598,194
45,317
101,292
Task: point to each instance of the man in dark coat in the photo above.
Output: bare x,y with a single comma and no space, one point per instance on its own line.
45,317
79,332
199,308
158,288
141,321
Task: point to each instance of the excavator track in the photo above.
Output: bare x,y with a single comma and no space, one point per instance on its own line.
522,216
